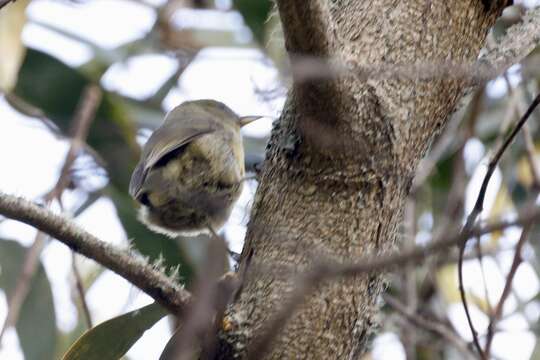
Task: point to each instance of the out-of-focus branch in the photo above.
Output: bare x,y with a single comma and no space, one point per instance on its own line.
518,42
497,313
84,116
80,291
431,326
309,44
535,172
4,3
479,206
133,268
308,281
175,298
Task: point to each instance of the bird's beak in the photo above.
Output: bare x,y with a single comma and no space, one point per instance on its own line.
244,120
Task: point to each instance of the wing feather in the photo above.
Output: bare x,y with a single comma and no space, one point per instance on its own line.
166,139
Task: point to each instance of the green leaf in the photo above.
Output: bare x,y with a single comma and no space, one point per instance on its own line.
36,325
55,88
255,13
113,338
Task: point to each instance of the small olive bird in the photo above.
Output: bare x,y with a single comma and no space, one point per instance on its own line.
191,170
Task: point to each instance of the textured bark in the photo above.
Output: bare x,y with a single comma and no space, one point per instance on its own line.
341,160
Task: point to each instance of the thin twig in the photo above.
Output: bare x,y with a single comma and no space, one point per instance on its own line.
80,291
535,172
307,281
478,207
496,315
429,325
24,280
172,296
127,264
480,259
84,116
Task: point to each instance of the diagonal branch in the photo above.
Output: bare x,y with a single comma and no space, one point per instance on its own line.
306,282
477,210
4,3
83,118
429,325
518,259
131,267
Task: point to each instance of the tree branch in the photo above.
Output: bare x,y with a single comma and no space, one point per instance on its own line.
131,267
308,281
429,325
305,27
477,210
497,313
5,2
84,115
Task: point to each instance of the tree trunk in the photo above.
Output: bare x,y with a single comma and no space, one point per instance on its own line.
341,160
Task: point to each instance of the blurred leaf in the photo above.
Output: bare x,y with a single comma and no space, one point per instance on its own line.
36,326
54,87
447,283
441,179
255,13
523,168
12,20
438,187
503,203
480,302
113,338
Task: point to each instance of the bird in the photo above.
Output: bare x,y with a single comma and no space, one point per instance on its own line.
191,170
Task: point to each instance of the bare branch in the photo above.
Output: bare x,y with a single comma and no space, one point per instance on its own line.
4,3
431,326
479,206
308,281
80,291
131,267
518,42
497,313
84,116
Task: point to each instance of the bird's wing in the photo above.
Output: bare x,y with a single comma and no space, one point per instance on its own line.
165,140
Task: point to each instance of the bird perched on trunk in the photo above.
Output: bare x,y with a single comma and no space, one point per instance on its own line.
191,169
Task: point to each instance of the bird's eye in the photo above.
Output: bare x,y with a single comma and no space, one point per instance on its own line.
143,199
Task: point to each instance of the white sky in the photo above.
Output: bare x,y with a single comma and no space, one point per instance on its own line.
226,74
